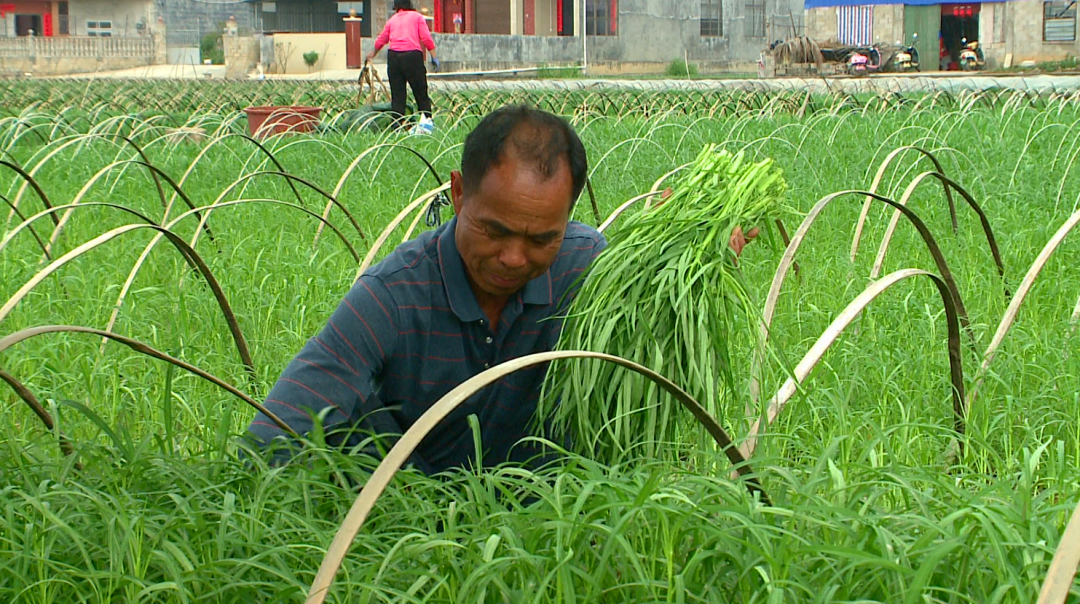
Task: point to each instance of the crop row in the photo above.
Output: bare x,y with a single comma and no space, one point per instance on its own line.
932,454
93,100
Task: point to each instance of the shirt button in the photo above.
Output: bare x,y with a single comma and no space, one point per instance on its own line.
487,365
488,339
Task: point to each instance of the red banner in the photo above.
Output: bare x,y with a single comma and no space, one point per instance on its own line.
46,25
6,8
558,16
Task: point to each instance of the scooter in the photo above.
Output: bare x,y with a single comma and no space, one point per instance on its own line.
862,61
907,59
971,58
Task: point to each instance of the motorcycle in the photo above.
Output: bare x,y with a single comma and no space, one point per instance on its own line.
971,57
863,61
906,59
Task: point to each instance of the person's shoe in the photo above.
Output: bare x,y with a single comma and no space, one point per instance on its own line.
425,126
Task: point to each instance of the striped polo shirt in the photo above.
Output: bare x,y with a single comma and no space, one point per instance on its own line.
408,332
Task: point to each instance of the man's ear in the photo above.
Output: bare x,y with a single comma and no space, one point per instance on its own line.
457,191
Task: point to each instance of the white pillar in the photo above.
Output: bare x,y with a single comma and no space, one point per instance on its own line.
517,26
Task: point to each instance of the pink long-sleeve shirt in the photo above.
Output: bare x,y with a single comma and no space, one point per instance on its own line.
406,30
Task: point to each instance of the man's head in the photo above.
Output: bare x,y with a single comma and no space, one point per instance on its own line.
521,172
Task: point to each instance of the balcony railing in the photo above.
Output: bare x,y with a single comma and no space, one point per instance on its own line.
77,47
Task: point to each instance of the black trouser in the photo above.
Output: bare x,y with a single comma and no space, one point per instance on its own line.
402,67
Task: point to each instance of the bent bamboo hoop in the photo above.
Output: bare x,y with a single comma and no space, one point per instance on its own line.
948,185
592,200
204,226
625,206
28,397
178,191
404,447
402,215
22,217
29,179
61,145
1018,299
1059,579
25,334
28,222
788,259
186,252
356,162
837,327
218,138
877,182
156,172
332,200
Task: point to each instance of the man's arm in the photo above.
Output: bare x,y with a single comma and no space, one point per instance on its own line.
332,374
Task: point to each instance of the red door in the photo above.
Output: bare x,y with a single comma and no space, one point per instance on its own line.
530,17
453,16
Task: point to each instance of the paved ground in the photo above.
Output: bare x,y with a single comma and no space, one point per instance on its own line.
943,81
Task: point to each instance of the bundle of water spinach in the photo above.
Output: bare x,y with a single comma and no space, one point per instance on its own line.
664,293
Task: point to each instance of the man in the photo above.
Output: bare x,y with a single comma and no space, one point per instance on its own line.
484,288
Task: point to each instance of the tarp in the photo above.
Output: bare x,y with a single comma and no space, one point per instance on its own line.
824,3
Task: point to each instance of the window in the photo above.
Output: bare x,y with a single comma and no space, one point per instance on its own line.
1059,21
712,18
99,29
343,8
755,19
601,17
62,11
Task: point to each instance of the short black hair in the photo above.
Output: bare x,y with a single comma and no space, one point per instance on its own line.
403,5
537,137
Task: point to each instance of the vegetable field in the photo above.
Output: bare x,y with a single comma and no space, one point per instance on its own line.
902,392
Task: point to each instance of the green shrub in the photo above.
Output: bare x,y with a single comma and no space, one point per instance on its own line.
681,69
558,73
211,47
311,58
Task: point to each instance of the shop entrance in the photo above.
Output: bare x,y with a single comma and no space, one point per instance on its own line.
958,22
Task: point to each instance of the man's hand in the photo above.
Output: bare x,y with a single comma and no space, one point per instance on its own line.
436,64
371,56
738,239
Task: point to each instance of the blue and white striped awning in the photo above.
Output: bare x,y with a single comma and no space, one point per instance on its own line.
855,25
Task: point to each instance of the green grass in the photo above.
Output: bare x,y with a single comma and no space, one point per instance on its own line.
865,505
547,72
679,68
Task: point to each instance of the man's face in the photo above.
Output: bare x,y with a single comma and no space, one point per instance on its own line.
511,227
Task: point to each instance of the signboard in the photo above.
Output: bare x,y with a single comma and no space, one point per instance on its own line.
960,10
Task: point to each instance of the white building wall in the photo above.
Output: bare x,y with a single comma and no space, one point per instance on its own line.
124,16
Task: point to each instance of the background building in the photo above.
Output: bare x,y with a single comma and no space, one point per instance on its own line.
1009,32
625,35
94,18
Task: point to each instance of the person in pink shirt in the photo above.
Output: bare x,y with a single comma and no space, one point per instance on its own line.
408,37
